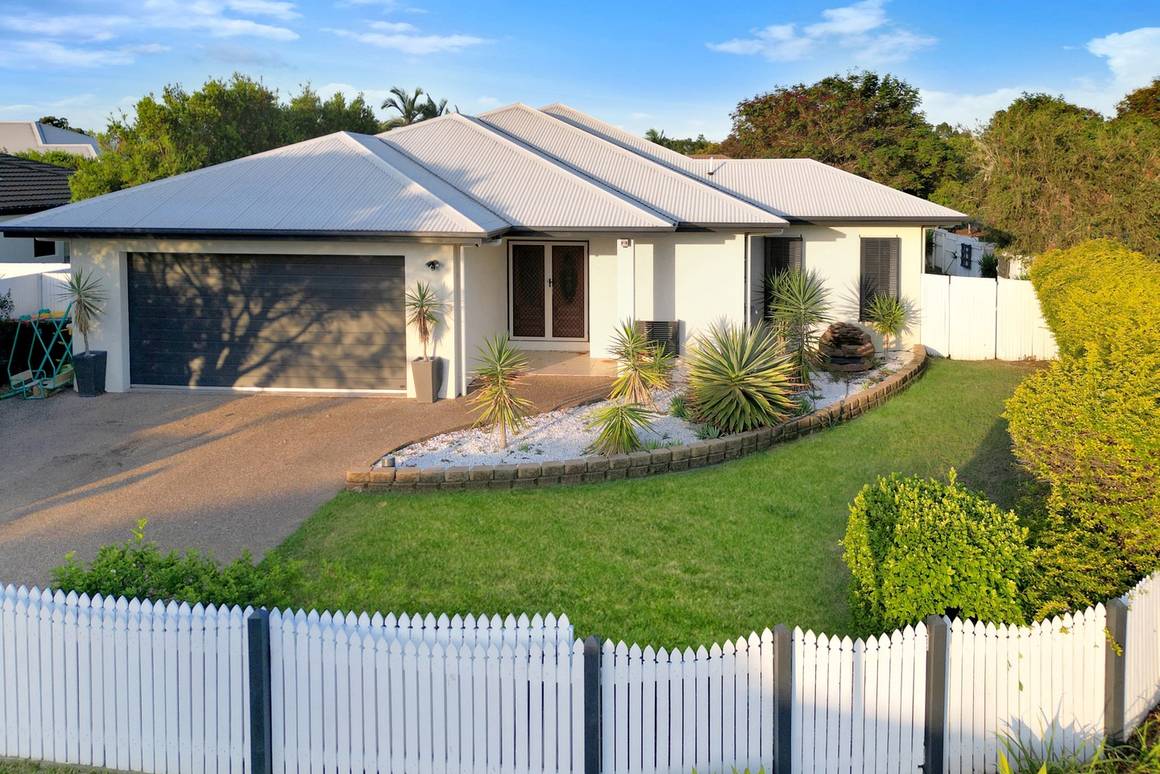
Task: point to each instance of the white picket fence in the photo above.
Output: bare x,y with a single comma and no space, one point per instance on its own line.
123,684
167,688
972,318
352,695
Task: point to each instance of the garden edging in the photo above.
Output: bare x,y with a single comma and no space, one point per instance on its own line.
592,469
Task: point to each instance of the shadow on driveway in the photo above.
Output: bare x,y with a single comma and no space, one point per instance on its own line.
218,472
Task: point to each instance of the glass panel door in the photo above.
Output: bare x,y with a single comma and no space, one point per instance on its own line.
528,284
568,292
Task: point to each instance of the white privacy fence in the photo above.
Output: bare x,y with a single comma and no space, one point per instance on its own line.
172,688
973,318
34,286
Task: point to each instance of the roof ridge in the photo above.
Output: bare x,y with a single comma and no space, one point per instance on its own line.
628,153
543,159
398,174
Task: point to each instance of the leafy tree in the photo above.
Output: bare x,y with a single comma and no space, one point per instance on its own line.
411,107
60,122
57,158
864,123
1143,102
180,131
689,146
1052,174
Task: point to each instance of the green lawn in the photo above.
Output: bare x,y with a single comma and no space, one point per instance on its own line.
676,559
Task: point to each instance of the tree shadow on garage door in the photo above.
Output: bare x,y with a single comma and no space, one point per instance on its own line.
315,322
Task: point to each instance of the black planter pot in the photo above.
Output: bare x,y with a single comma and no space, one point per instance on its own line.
90,371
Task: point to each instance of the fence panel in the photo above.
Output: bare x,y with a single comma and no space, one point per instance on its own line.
1040,687
934,310
971,318
34,286
859,706
1142,651
1020,329
457,694
122,684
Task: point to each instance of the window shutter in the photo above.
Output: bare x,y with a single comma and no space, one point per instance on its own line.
782,254
880,271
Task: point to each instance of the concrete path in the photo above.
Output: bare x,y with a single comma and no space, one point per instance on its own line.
218,472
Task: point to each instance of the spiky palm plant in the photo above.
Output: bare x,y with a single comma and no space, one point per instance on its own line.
424,310
741,378
85,291
888,316
798,304
500,366
618,424
642,366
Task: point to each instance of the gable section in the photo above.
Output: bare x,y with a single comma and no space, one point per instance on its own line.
677,195
518,183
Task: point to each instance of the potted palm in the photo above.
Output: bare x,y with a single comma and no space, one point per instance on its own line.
87,297
424,312
888,316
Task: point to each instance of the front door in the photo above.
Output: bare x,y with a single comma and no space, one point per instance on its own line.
548,290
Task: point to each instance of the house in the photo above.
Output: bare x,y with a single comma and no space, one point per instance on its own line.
287,269
958,254
27,187
20,136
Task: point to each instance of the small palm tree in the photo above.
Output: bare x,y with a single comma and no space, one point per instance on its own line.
618,424
499,407
798,304
87,296
888,316
642,365
424,310
434,109
411,107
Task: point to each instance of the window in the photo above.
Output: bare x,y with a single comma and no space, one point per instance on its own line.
782,254
42,248
965,251
880,271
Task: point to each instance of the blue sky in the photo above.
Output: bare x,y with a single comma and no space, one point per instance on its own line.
677,66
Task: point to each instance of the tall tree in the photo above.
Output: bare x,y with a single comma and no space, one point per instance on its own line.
60,122
687,145
865,123
412,107
1143,102
307,115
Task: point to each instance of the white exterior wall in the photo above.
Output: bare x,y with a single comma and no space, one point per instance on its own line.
485,311
107,258
17,250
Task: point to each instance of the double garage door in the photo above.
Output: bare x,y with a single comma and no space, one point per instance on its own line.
296,322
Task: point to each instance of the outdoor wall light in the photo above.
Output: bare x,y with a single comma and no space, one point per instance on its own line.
433,265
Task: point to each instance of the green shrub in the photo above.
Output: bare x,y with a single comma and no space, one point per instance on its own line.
1099,293
500,367
642,366
741,378
888,316
917,547
798,305
618,424
138,568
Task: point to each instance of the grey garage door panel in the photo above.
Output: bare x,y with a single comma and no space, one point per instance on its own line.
310,322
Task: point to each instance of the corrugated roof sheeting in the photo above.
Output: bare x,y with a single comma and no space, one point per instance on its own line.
331,183
517,183
678,196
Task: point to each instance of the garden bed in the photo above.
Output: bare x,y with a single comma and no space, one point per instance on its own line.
561,435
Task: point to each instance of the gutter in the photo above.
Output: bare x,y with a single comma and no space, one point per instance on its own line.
57,232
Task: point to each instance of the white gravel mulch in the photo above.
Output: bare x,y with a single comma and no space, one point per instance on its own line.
564,434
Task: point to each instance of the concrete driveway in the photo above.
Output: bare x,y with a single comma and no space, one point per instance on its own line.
219,472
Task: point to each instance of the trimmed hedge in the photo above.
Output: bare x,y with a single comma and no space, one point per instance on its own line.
1088,426
917,547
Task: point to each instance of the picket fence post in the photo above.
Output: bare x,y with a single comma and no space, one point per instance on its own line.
261,749
1115,663
934,735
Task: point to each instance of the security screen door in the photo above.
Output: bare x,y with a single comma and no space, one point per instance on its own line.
548,290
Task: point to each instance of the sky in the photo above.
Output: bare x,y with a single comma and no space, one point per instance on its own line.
680,67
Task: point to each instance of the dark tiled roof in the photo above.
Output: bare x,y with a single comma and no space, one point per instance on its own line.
30,186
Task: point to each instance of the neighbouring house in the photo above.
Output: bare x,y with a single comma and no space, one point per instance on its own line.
287,269
20,136
27,187
958,254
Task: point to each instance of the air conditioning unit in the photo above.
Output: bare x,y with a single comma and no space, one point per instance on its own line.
664,332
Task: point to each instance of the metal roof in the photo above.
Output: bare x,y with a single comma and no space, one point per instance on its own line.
679,196
523,186
341,183
18,136
799,189
30,186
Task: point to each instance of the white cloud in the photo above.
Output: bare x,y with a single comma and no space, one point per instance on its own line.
275,9
968,110
411,41
862,30
1132,56
386,26
33,53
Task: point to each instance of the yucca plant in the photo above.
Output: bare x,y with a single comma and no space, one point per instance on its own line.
741,378
86,293
500,366
424,309
618,424
888,316
798,304
642,365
